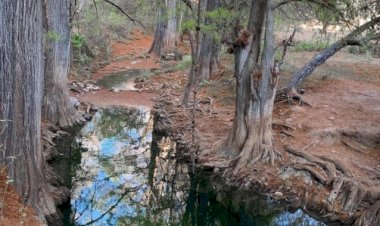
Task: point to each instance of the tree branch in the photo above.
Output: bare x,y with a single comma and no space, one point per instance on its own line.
134,21
350,39
320,3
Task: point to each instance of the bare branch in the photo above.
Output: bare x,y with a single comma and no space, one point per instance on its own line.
134,21
320,3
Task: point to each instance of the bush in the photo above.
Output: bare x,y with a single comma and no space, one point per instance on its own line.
311,46
185,63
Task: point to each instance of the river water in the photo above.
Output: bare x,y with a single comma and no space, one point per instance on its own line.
127,175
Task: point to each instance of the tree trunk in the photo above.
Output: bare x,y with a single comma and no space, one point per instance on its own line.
57,107
320,58
209,52
251,137
171,32
193,80
192,73
21,81
166,28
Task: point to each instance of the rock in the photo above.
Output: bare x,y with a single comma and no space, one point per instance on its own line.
278,194
88,117
216,170
74,102
116,90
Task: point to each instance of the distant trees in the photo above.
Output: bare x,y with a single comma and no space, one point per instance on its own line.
353,38
210,46
348,16
166,33
205,45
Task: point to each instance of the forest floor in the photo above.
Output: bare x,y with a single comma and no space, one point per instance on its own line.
12,209
342,122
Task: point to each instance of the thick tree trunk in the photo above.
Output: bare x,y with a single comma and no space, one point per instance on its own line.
57,107
166,28
320,58
209,51
21,81
251,137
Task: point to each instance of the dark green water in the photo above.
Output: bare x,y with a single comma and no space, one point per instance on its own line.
129,176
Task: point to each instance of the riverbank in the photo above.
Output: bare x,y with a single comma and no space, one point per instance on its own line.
336,137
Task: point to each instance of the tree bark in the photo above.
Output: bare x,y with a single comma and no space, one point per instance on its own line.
21,82
192,73
209,52
251,137
166,28
57,107
193,80
320,58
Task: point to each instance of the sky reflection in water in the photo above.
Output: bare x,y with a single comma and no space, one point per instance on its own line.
124,180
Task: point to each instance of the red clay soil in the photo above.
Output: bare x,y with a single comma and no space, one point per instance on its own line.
104,98
138,44
12,210
137,49
337,105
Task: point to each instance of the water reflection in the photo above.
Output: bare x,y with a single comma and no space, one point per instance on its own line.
124,80
128,176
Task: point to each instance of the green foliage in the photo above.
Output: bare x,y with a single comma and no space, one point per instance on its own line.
216,21
185,63
53,36
204,82
358,49
220,15
77,40
311,46
188,25
370,49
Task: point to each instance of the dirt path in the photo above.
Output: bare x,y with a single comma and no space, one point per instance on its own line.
136,57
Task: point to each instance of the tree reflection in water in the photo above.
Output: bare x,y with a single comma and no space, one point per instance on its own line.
128,176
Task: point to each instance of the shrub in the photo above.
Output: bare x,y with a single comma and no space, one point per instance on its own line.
311,46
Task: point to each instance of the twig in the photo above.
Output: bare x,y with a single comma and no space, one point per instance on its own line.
134,21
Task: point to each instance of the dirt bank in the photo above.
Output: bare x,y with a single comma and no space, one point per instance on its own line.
12,209
330,150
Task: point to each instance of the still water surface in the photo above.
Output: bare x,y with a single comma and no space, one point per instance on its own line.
126,175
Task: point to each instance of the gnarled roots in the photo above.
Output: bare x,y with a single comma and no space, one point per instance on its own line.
251,155
348,194
290,96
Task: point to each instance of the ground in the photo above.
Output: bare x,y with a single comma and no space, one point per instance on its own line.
341,123
12,211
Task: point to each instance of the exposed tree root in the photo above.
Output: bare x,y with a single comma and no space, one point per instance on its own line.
348,194
374,173
266,153
291,96
371,216
354,145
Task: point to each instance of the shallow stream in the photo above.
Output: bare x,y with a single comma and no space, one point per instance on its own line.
126,175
